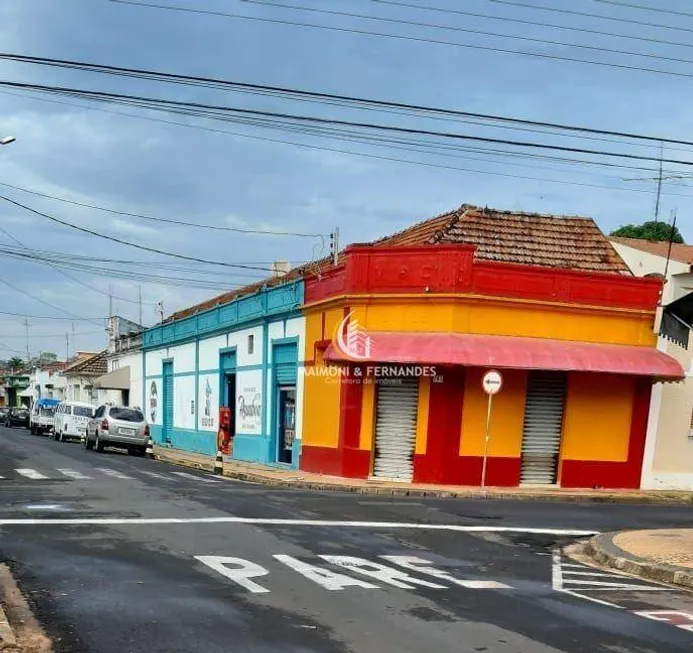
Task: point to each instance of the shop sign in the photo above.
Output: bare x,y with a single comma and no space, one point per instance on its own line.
249,406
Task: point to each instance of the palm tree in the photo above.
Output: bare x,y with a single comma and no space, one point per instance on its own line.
16,363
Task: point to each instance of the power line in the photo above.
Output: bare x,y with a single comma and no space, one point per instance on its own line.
571,12
646,8
66,274
155,219
172,105
466,30
534,23
419,39
347,152
128,243
51,317
42,301
295,93
53,335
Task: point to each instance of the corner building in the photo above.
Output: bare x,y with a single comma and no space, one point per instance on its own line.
544,300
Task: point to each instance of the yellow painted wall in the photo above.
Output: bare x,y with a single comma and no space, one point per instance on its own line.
488,316
321,396
597,417
507,415
422,415
367,415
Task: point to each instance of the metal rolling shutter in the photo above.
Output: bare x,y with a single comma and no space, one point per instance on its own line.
541,439
285,359
395,429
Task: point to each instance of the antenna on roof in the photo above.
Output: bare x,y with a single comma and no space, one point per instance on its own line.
671,241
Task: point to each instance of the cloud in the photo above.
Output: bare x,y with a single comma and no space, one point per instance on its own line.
127,226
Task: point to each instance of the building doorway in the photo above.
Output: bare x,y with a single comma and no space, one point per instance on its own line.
229,400
287,424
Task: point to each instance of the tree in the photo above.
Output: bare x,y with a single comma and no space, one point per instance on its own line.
16,363
659,231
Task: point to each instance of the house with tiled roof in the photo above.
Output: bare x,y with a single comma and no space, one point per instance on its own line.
668,462
415,321
291,370
80,374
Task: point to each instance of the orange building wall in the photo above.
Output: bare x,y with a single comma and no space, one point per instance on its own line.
507,415
597,420
597,417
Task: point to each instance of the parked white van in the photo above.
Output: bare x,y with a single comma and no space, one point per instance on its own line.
71,419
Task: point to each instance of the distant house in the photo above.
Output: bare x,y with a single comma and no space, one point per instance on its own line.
122,383
80,375
668,461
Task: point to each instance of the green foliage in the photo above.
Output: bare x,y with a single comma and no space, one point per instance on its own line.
16,363
659,231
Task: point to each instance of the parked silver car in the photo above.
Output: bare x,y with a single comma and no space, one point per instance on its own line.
117,426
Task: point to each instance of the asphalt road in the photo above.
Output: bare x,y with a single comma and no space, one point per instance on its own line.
119,554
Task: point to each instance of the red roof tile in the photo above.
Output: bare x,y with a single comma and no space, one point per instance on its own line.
515,237
508,236
679,252
96,365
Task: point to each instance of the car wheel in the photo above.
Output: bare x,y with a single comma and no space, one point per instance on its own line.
58,437
88,444
98,444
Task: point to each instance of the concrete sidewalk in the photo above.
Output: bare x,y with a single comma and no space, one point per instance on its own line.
662,555
296,479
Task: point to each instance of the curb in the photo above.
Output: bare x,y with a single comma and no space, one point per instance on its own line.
8,642
602,550
416,492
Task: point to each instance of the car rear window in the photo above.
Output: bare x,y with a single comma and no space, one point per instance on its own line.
48,410
83,411
126,414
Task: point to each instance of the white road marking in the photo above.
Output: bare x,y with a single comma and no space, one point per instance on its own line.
557,580
1,478
31,473
73,473
602,584
587,573
156,475
114,473
202,479
383,573
144,521
330,580
422,566
241,573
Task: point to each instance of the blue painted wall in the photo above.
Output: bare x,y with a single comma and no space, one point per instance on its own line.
265,307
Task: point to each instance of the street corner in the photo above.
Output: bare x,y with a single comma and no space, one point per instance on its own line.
20,631
661,555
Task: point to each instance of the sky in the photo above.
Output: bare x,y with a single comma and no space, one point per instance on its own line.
243,176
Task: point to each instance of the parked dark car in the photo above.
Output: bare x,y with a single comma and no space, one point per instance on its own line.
3,413
17,417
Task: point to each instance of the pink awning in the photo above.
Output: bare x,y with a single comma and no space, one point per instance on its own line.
512,352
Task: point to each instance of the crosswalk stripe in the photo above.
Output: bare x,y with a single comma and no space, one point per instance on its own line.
31,473
202,479
568,572
155,475
114,473
73,473
600,584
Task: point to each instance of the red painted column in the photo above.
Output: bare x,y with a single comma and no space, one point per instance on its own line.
638,432
441,462
355,461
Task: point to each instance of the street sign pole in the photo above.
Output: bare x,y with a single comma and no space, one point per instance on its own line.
491,384
488,438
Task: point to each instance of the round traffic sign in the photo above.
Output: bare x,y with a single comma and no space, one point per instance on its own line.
492,382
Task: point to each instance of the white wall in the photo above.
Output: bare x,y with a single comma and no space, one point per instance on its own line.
183,396
208,402
209,352
154,360
239,339
154,405
183,357
249,402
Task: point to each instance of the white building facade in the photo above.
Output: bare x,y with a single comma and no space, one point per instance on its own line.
668,457
241,358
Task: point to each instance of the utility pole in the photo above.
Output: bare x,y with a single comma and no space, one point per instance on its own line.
140,304
671,240
659,182
28,354
110,302
159,310
334,246
67,347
